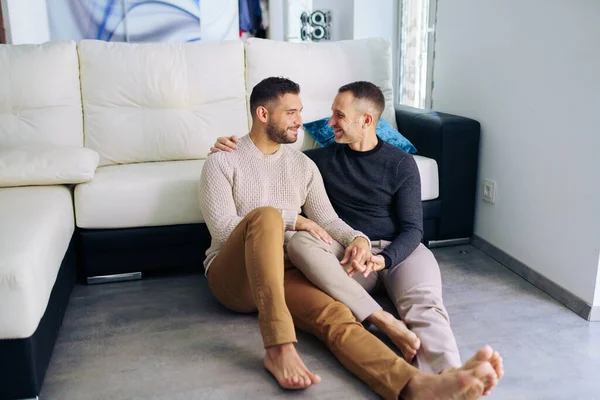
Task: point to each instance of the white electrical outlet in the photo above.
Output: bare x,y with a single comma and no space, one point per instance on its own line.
489,191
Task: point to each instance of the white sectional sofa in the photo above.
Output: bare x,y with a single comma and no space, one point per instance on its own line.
41,145
145,115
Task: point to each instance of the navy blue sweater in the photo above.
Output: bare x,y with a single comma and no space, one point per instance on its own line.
377,192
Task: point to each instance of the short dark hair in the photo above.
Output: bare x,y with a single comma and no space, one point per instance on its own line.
363,90
269,90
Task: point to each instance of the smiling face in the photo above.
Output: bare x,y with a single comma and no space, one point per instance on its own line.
356,111
275,104
346,119
284,119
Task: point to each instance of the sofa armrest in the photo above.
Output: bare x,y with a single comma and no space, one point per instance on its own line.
452,141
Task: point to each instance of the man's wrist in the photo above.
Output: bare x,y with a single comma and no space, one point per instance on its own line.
388,261
367,241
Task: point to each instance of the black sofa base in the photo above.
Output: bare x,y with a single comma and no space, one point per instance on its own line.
120,251
432,211
171,248
453,142
24,362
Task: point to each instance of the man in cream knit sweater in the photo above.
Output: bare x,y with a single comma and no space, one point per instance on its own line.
251,200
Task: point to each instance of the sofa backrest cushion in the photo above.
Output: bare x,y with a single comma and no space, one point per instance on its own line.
321,68
161,101
40,98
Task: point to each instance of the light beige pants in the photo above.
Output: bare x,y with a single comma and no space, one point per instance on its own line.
414,286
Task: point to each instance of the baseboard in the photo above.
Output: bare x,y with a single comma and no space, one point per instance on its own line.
432,244
560,294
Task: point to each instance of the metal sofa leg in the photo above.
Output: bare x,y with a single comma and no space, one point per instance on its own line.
448,242
131,276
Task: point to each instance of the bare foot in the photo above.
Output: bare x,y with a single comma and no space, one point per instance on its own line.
398,332
484,355
451,385
286,366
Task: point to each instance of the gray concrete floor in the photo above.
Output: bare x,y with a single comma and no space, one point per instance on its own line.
167,338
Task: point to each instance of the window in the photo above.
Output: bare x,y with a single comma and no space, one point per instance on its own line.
415,52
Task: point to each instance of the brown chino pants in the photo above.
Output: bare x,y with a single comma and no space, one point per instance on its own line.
249,275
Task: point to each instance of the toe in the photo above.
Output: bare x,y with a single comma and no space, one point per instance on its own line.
417,344
408,354
474,392
472,386
299,383
310,376
498,364
287,383
484,354
305,380
483,370
496,359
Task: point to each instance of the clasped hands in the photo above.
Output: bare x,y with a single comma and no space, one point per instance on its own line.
357,257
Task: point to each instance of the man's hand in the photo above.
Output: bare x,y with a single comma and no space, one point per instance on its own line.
378,263
358,257
305,224
225,144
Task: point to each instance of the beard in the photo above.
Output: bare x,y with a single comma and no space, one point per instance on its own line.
277,134
348,138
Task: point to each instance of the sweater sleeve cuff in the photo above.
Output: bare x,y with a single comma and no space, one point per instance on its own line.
388,261
289,219
362,235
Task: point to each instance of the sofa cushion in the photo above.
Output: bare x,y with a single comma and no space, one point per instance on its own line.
323,134
161,101
139,195
321,69
37,225
430,181
46,165
40,98
305,141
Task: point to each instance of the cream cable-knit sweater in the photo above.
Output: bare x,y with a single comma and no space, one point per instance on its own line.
233,184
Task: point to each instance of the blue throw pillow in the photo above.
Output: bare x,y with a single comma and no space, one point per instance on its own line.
320,131
323,134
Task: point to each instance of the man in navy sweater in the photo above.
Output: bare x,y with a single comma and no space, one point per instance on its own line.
375,188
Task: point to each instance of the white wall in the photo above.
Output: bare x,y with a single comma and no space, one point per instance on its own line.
276,29
342,15
529,72
26,21
374,18
352,19
597,294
